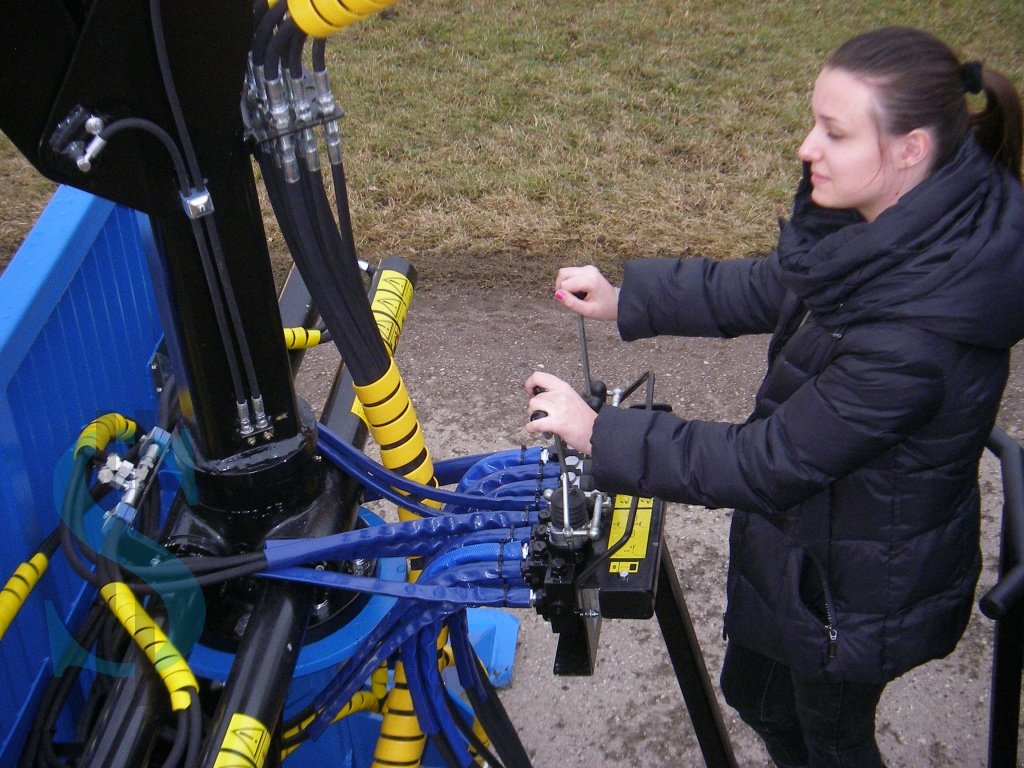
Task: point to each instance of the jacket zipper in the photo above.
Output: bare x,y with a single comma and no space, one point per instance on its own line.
830,619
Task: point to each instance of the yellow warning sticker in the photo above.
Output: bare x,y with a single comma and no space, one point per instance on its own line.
245,744
391,305
627,559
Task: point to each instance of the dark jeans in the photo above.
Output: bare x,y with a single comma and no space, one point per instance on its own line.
802,722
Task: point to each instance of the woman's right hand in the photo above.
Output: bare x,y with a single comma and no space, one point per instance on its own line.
585,291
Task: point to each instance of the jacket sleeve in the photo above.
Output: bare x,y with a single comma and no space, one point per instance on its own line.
699,297
875,392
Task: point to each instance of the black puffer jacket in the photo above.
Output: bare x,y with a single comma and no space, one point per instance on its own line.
854,547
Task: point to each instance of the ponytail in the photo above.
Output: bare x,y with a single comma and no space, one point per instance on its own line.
999,125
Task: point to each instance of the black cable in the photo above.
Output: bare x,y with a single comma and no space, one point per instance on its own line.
265,31
223,284
278,46
197,233
180,741
467,731
38,745
195,730
163,60
138,123
343,303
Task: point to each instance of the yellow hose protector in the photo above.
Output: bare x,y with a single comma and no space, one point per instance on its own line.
17,588
401,741
301,338
100,431
362,701
322,18
165,658
379,682
395,428
246,743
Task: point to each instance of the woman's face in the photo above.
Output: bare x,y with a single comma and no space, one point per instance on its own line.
852,164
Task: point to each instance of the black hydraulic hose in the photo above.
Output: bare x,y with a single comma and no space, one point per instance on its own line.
279,45
232,304
204,256
138,123
265,32
180,741
195,730
467,731
39,744
160,47
348,242
259,8
337,290
298,43
496,723
208,224
318,54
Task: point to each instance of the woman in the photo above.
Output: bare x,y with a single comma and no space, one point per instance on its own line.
894,296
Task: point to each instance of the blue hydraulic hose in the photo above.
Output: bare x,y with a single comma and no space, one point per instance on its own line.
404,632
475,553
519,473
429,677
465,659
468,595
498,461
412,537
365,469
367,654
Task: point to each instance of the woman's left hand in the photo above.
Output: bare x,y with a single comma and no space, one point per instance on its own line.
567,414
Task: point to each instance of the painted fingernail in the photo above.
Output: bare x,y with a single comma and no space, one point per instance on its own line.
559,295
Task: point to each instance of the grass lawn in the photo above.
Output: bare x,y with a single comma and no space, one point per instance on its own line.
491,142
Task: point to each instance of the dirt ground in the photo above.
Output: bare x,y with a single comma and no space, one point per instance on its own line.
465,356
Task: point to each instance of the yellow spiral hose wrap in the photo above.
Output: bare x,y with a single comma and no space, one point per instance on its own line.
165,658
17,588
322,18
100,431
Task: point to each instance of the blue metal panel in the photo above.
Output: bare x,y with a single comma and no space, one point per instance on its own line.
78,324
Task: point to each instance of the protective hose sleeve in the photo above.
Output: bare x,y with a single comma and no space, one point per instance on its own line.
390,305
401,740
362,701
392,421
301,338
321,18
17,588
165,658
100,431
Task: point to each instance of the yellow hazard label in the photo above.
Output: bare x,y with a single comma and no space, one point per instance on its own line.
390,305
245,744
627,559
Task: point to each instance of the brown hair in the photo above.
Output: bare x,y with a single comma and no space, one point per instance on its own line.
922,84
